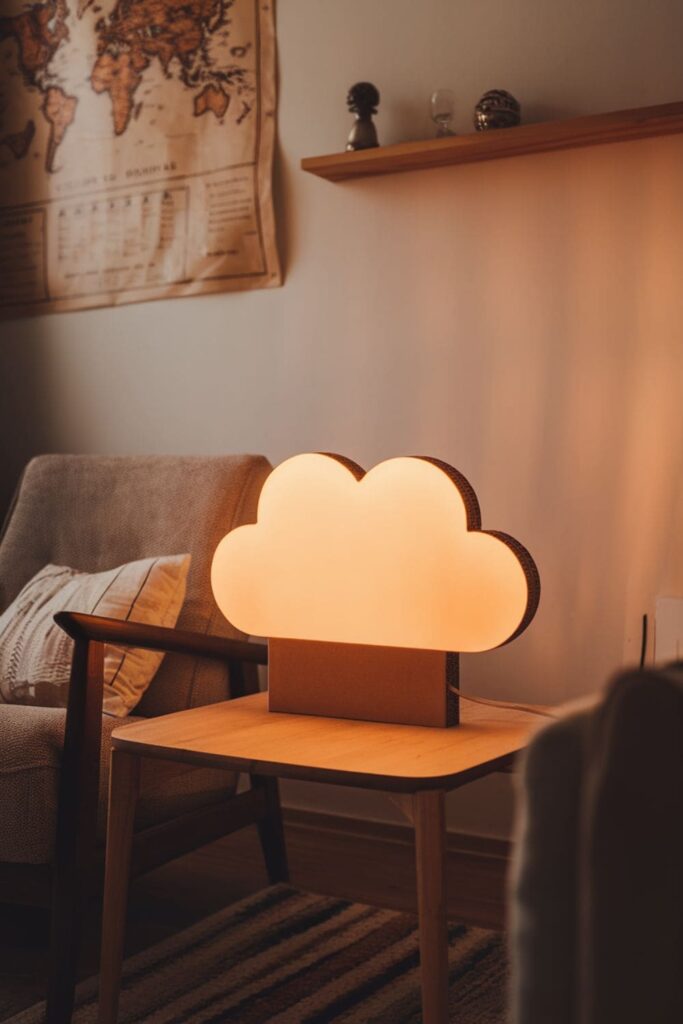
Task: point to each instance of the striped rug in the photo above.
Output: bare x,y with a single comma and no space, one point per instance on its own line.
289,957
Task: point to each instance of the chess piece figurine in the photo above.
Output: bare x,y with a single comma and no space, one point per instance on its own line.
363,100
496,109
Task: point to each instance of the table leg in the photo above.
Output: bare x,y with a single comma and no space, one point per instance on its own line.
430,843
270,830
124,784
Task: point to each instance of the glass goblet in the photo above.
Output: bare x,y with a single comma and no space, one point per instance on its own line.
442,105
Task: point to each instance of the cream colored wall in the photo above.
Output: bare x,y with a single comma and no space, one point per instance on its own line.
521,319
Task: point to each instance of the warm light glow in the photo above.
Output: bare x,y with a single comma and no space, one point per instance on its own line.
393,557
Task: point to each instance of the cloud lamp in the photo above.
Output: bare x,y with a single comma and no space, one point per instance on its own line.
367,586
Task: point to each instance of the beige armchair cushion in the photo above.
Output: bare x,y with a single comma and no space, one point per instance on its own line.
31,740
92,512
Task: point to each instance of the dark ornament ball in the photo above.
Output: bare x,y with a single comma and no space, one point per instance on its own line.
363,99
496,109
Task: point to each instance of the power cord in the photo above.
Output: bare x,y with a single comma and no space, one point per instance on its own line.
643,642
537,709
532,709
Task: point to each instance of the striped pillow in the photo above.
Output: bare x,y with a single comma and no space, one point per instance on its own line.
35,654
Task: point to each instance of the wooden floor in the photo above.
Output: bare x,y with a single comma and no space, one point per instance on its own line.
357,860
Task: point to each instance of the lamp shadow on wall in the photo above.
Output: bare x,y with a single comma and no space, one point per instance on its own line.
27,413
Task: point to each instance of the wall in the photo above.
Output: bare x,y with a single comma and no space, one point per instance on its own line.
521,319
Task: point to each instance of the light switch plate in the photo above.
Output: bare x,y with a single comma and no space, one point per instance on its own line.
668,630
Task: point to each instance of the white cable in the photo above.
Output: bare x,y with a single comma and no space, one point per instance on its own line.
532,709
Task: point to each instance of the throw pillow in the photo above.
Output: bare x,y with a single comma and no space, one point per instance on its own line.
35,654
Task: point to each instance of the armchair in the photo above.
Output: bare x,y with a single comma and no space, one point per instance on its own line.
597,900
91,513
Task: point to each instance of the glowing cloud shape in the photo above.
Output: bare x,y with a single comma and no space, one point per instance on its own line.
393,557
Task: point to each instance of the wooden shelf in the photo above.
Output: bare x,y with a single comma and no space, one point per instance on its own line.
594,130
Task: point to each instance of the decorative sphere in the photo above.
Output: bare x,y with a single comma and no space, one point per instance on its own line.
496,109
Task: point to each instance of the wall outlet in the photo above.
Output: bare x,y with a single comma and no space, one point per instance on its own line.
668,630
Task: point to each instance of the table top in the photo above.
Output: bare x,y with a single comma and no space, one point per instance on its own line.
243,735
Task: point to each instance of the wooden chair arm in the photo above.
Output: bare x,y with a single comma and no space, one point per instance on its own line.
80,768
159,638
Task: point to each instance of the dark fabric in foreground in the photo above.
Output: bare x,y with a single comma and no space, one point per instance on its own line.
287,957
597,916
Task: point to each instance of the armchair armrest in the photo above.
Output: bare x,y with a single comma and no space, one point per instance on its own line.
80,769
159,638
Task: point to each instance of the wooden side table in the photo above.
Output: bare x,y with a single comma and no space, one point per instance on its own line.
415,765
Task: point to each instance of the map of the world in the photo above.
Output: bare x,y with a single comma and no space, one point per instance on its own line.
135,150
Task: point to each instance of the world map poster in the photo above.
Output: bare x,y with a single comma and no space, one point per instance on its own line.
136,149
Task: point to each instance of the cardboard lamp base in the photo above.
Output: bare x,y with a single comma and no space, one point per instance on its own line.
399,685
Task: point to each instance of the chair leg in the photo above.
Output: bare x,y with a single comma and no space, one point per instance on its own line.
76,827
65,929
270,830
